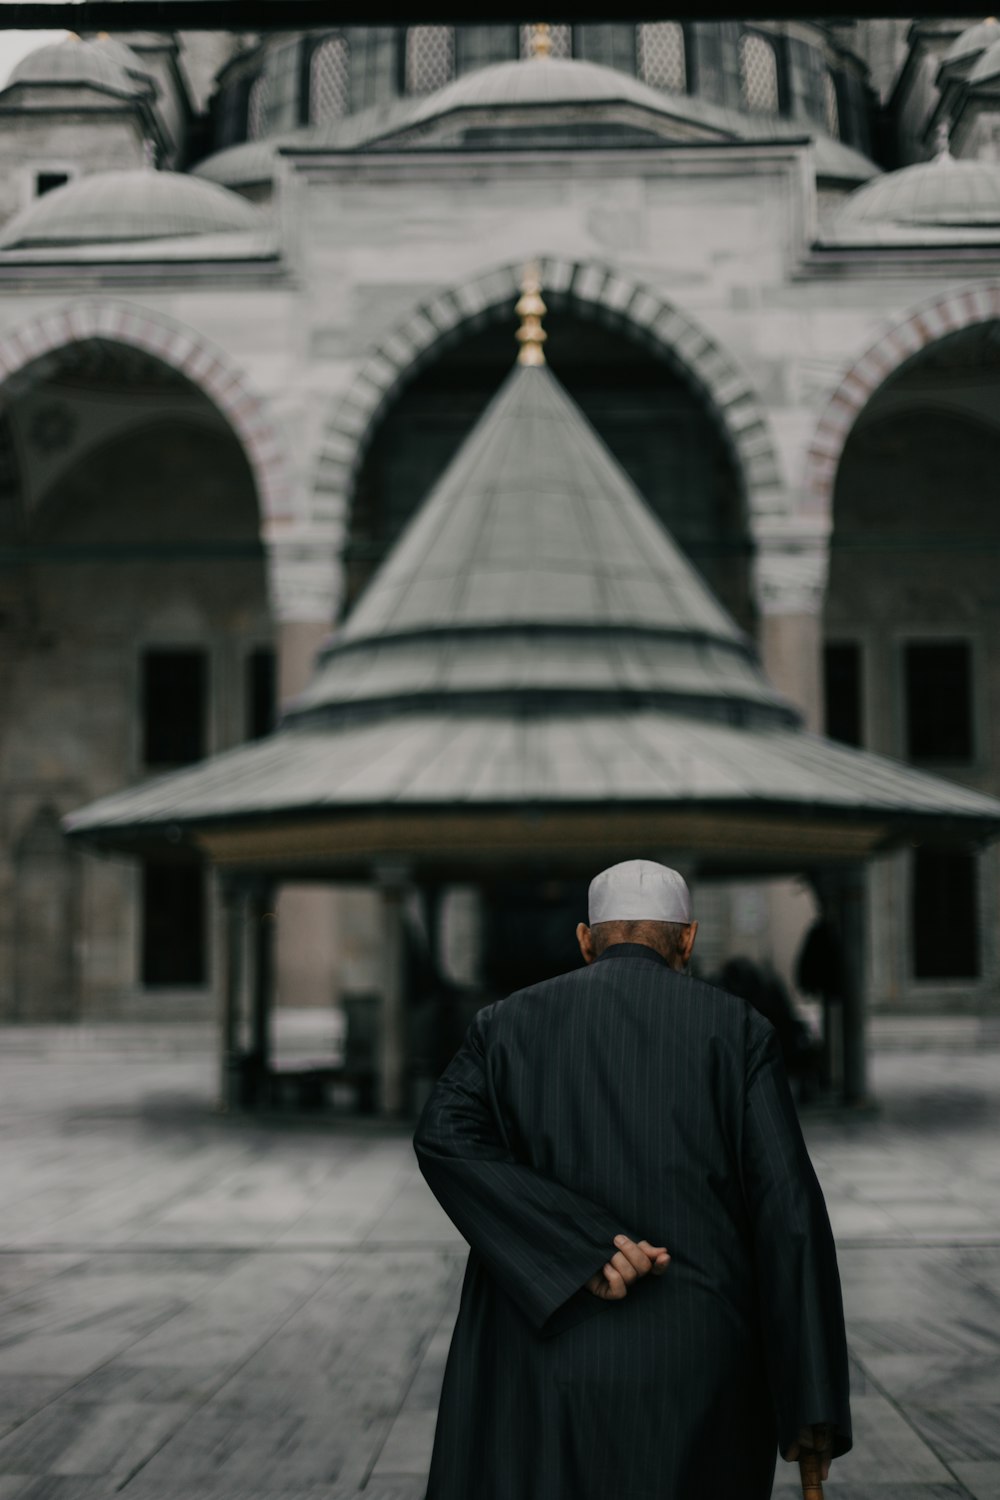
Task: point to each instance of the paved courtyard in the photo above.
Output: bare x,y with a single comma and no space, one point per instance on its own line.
195,1307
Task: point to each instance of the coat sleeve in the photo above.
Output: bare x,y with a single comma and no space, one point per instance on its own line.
798,1281
540,1240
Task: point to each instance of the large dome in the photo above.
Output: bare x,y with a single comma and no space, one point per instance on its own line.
941,193
73,63
110,207
538,80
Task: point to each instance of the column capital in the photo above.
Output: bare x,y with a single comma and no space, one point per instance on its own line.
791,564
305,572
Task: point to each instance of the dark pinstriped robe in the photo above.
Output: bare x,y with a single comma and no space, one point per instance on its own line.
624,1097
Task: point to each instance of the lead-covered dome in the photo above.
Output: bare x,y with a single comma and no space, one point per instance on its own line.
73,63
941,193
112,207
540,80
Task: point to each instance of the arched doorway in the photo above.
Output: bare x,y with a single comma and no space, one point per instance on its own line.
140,639
662,432
911,666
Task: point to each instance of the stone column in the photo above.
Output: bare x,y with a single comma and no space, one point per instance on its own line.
391,881
232,907
852,904
843,893
263,923
306,581
790,572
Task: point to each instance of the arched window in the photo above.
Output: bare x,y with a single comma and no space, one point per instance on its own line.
831,112
662,61
758,74
329,80
560,41
257,108
430,58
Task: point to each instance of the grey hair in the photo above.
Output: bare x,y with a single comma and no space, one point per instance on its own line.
665,937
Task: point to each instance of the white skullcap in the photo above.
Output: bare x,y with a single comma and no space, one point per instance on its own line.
638,890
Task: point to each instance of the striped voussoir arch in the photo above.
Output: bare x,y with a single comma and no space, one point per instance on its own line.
606,295
191,355
895,346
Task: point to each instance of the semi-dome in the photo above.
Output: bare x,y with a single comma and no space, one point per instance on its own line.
988,65
110,207
943,192
73,63
973,41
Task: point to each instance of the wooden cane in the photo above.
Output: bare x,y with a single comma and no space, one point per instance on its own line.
810,1470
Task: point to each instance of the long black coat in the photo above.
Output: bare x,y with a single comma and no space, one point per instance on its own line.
627,1098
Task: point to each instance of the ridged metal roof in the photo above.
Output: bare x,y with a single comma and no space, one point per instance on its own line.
467,759
535,639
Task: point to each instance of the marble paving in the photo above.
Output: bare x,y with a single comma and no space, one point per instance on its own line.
196,1307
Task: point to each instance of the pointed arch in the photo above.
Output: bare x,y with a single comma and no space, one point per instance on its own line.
610,297
202,363
895,347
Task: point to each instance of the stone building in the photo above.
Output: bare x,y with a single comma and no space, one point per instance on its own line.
255,291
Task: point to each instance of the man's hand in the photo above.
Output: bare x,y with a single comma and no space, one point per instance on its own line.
817,1438
629,1262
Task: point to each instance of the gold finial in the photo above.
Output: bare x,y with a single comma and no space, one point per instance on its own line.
530,309
541,39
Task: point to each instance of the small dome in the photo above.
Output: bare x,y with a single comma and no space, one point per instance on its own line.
973,41
75,63
109,207
988,65
943,192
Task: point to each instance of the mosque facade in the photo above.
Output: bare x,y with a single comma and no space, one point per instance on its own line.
256,290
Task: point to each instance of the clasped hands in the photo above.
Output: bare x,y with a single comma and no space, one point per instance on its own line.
629,1262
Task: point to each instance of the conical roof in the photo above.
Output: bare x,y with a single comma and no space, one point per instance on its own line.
535,566
536,673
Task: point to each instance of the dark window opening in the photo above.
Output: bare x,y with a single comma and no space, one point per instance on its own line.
938,700
842,692
174,686
261,693
944,916
46,181
173,924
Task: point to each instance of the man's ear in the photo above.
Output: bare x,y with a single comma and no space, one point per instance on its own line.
585,938
687,942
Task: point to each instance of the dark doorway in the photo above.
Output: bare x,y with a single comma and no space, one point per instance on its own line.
945,918
173,925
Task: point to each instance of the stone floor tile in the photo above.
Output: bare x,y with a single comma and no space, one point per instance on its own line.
981,1479
73,1439
408,1447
